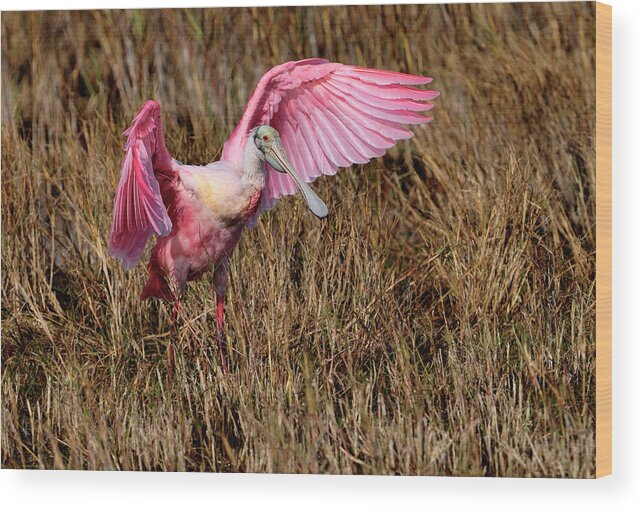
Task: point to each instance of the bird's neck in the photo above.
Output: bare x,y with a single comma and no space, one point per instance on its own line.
253,170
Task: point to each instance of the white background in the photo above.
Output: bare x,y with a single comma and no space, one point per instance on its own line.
30,489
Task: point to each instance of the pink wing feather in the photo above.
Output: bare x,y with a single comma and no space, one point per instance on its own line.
329,115
138,207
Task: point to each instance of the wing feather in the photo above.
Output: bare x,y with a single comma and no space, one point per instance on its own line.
381,77
368,140
382,103
320,161
328,139
386,91
372,130
345,141
295,157
139,210
329,115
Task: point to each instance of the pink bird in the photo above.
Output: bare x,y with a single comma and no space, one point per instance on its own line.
304,119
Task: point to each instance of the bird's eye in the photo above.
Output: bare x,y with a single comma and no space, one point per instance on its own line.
265,138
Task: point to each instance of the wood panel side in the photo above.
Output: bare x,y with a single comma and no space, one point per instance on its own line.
604,240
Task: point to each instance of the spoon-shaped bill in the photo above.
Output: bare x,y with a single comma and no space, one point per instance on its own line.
279,161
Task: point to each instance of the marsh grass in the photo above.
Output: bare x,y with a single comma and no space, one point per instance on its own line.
441,321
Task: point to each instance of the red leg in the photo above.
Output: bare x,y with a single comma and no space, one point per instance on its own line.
220,337
175,314
174,333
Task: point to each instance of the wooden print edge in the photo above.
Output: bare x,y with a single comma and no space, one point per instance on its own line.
603,240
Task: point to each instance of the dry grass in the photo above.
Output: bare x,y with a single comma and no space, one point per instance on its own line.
441,321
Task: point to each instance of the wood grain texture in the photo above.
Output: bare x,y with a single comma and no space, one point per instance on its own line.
604,240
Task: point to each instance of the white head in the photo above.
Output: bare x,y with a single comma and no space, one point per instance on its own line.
267,140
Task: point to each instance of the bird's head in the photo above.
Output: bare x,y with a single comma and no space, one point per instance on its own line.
264,138
268,142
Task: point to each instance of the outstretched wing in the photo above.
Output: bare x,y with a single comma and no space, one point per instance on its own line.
329,115
138,207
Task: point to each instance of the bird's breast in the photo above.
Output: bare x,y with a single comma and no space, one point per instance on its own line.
230,202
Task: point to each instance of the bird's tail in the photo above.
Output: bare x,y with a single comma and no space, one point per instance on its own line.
157,284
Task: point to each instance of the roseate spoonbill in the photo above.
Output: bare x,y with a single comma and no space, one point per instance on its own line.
304,119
